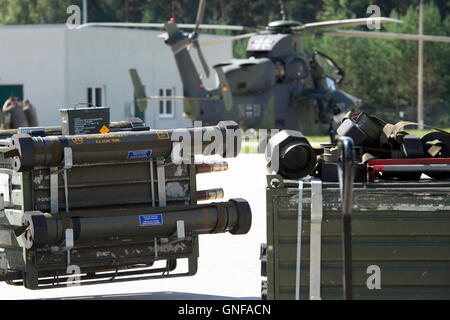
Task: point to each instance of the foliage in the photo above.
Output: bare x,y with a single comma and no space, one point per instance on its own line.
383,73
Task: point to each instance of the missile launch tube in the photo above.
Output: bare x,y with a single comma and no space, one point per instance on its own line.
41,229
212,167
26,151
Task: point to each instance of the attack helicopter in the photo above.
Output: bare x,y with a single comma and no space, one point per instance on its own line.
278,85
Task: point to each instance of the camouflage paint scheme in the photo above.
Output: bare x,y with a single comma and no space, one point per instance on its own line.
278,86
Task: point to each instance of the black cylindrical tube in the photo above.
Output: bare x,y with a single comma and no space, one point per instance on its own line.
233,216
28,152
290,155
211,167
210,194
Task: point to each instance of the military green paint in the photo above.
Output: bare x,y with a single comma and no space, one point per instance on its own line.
404,228
102,190
275,87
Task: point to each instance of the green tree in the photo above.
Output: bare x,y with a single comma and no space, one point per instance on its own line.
383,73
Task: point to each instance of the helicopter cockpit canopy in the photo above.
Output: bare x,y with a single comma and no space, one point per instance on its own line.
329,67
295,68
330,83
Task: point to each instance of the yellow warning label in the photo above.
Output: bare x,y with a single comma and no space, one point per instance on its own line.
104,130
163,134
77,140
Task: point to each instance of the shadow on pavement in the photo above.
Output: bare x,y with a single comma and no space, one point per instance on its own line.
156,296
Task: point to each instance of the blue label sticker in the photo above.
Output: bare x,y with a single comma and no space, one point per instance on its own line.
150,220
140,154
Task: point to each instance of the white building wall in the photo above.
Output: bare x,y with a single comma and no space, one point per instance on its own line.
103,56
33,56
57,65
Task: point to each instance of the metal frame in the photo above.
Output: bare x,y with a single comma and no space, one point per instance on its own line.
346,174
315,239
299,240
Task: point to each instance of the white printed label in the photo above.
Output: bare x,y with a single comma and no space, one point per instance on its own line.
4,186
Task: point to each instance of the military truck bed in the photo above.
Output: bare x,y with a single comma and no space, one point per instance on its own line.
401,227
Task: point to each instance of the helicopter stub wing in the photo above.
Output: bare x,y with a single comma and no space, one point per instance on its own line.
224,86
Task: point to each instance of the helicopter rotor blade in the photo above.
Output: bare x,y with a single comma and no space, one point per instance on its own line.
161,26
387,35
194,36
213,42
344,23
200,14
202,59
121,25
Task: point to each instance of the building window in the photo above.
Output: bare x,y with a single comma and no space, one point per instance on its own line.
96,96
166,107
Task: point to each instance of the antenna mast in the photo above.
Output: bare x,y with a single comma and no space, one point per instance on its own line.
420,111
85,12
282,12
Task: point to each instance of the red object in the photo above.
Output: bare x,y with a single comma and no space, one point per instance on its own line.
172,20
377,165
202,85
408,161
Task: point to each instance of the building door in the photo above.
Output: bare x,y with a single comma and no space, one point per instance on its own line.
7,91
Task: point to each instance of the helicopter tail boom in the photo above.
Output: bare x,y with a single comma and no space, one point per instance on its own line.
177,40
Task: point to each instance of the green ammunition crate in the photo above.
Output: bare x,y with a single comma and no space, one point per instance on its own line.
94,186
402,228
105,214
84,120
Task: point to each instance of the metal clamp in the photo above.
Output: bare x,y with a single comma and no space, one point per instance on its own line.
54,204
152,183
54,188
66,245
315,239
179,234
2,204
68,162
162,202
3,264
299,239
69,243
155,240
